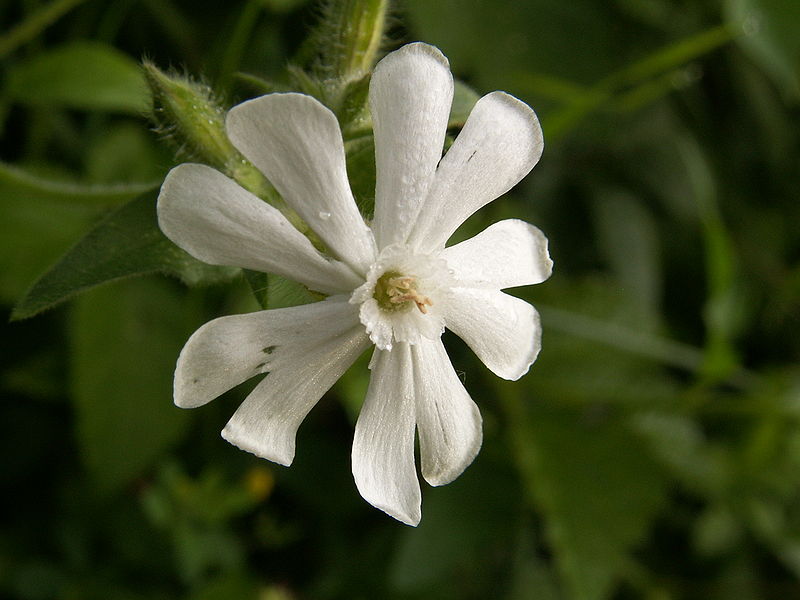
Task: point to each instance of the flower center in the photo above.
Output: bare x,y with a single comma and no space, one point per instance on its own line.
395,292
403,297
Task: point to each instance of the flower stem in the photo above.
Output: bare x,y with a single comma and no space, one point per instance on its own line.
34,24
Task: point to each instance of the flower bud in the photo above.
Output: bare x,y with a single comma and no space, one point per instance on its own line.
187,113
350,36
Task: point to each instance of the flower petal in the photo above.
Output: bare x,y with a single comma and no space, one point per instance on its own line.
217,221
502,330
296,142
448,422
499,144
300,373
383,445
410,94
227,351
506,254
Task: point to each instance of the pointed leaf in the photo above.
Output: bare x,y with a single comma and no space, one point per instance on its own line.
127,242
19,183
598,489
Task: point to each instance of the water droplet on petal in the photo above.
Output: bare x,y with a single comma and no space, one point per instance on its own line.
324,215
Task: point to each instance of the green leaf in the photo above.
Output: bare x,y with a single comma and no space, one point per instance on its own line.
18,183
771,37
125,152
41,217
353,115
34,23
597,487
361,172
679,444
32,236
125,340
464,98
82,75
127,242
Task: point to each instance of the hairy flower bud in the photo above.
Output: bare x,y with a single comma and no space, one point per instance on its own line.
187,113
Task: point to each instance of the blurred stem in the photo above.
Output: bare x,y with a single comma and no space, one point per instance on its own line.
667,59
672,56
175,25
113,18
722,302
671,353
34,24
238,41
674,354
5,106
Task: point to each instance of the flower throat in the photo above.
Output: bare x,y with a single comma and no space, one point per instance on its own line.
395,292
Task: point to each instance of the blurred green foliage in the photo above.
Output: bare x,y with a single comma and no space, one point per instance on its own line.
652,452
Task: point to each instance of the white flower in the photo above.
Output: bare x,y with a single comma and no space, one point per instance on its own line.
392,284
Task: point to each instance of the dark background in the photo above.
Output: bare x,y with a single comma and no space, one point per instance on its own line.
652,452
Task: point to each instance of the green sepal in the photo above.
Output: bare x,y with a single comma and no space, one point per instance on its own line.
253,85
274,291
335,64
188,114
127,242
259,285
346,42
353,112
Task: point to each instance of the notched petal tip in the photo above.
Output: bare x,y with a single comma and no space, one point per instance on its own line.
504,331
410,515
526,115
182,175
445,476
498,146
545,261
506,254
514,374
449,424
442,472
233,435
411,519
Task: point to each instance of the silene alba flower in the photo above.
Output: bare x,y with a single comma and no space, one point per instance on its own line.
391,284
